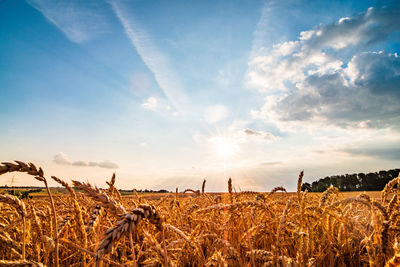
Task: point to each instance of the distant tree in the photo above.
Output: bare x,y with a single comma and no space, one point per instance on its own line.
373,181
314,186
352,182
362,181
306,186
162,191
323,184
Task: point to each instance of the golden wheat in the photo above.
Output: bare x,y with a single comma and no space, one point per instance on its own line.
235,229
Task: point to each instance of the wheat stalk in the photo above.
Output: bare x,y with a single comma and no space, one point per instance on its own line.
71,244
7,240
22,263
282,223
226,207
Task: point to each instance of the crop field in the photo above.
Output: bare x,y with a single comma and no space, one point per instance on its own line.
93,227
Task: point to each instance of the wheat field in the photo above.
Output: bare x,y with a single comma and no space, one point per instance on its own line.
93,227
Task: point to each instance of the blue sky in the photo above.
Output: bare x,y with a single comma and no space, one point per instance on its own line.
168,93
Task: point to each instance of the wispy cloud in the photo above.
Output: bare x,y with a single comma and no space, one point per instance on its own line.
260,32
213,114
62,159
270,163
391,153
152,56
80,21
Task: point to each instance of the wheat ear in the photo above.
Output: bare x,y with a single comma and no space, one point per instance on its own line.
126,225
20,206
389,187
112,188
94,218
299,183
38,174
331,190
101,197
276,189
196,192
111,184
203,186
66,185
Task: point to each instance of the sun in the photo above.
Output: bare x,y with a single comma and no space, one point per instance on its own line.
224,147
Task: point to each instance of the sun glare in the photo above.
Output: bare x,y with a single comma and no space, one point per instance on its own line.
224,147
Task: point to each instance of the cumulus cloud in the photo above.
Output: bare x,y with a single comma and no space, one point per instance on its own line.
63,159
108,164
325,78
80,163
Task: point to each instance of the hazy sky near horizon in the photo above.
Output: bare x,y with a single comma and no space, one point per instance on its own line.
167,93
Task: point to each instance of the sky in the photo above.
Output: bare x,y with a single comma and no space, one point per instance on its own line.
168,93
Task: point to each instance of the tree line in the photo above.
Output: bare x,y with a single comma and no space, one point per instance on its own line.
373,181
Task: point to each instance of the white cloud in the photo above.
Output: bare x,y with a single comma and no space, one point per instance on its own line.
320,80
155,60
263,134
158,104
80,21
150,103
367,97
213,114
63,159
108,164
80,163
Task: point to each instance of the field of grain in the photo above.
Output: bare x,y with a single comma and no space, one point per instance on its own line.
96,227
